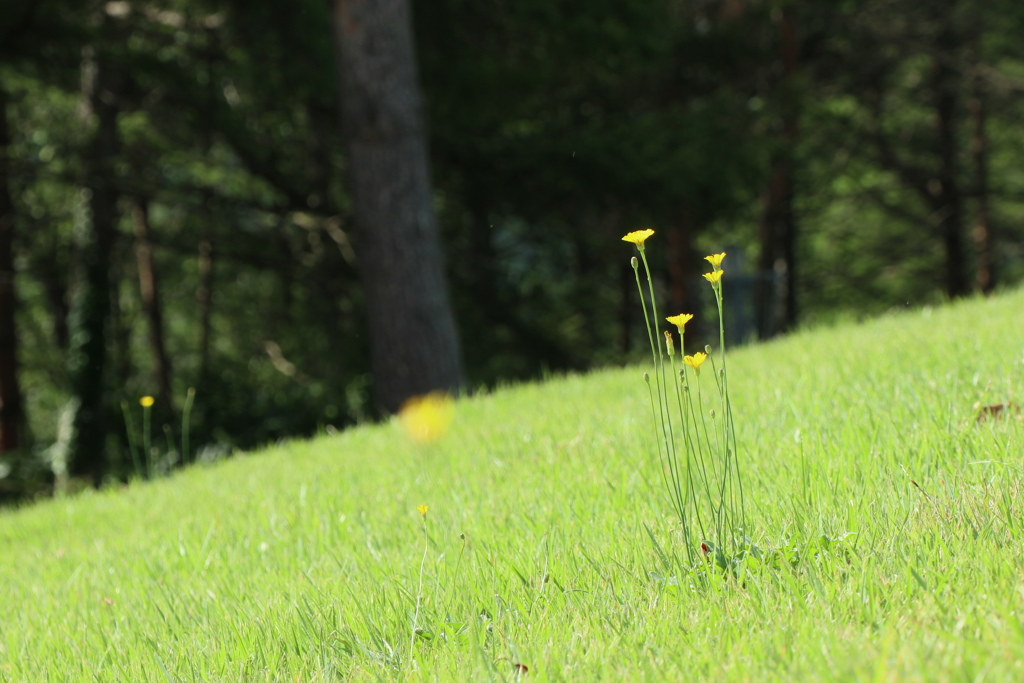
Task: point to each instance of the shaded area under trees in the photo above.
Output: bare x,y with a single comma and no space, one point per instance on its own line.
258,205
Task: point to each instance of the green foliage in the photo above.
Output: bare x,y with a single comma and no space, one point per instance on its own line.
554,126
208,144
886,521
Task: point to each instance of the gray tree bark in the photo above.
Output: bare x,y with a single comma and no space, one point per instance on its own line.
413,338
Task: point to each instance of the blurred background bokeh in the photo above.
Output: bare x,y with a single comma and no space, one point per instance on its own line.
175,194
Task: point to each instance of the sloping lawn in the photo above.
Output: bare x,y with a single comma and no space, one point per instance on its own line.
549,550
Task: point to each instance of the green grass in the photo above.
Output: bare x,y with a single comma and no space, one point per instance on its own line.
302,562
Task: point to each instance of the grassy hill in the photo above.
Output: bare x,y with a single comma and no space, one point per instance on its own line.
547,551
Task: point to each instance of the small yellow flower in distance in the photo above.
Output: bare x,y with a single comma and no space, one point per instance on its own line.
422,509
714,277
426,418
146,401
638,237
715,260
680,320
696,360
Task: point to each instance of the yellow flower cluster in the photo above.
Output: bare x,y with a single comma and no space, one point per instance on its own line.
638,237
715,276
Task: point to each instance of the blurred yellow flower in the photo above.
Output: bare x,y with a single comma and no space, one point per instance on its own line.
680,320
715,260
714,277
696,360
422,509
146,401
426,418
638,237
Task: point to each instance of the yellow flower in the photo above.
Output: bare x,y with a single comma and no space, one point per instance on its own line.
680,320
696,360
146,401
638,237
714,277
715,260
426,418
422,509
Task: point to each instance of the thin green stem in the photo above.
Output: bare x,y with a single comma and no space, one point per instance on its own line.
729,427
683,389
666,457
676,489
707,440
662,459
643,305
419,591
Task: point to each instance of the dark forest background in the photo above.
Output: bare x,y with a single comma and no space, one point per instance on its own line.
188,192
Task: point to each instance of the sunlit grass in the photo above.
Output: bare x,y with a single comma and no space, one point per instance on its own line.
894,516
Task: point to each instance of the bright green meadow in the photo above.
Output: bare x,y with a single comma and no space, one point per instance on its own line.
888,521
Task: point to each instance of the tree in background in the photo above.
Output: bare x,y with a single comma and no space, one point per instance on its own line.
902,79
414,344
95,233
554,128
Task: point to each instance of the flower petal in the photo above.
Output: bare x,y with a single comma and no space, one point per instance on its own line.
714,277
638,237
715,260
680,320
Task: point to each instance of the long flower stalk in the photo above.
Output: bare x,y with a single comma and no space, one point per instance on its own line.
709,480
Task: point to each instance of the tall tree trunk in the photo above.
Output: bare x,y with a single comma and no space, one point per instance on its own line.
413,339
11,405
90,308
150,292
984,240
